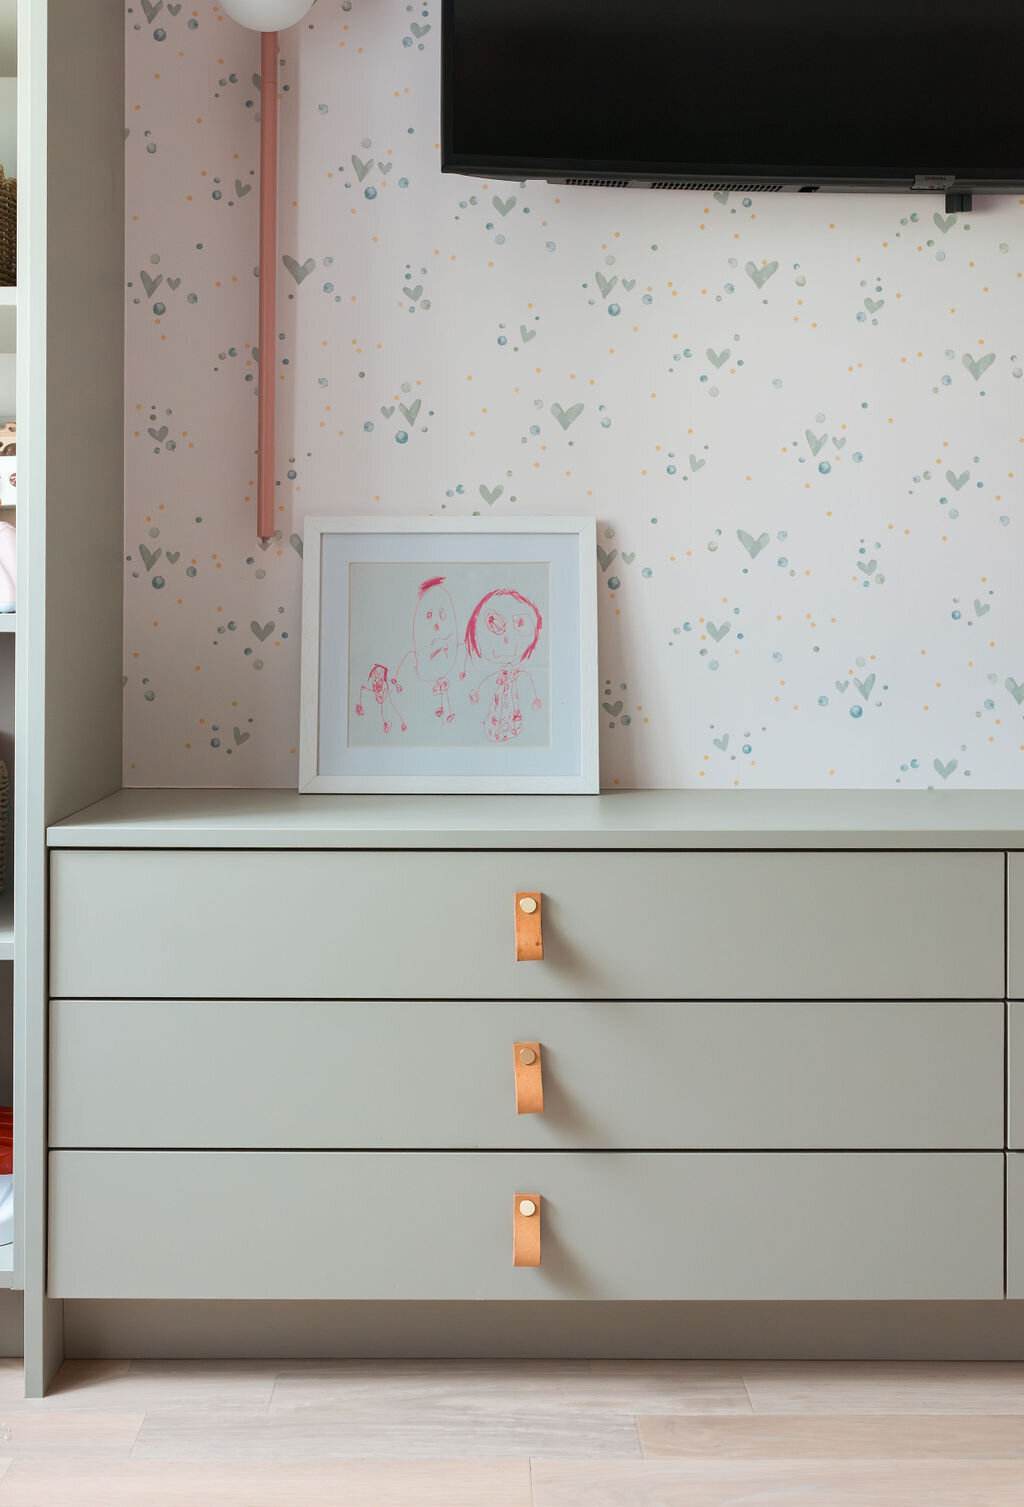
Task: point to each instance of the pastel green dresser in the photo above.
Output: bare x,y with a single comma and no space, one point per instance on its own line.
773,1035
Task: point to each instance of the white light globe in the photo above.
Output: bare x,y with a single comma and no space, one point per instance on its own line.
267,15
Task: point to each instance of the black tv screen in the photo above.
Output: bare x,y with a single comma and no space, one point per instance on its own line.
795,93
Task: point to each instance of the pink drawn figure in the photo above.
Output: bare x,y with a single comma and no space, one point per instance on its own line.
380,690
504,628
435,644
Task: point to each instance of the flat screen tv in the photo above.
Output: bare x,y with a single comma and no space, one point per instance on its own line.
761,94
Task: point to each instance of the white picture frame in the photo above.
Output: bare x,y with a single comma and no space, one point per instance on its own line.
512,605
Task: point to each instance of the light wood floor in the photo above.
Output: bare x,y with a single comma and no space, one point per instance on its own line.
515,1434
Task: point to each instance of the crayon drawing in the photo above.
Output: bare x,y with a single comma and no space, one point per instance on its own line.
487,685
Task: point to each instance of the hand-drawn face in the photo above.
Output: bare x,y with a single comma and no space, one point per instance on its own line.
379,681
434,633
504,628
506,632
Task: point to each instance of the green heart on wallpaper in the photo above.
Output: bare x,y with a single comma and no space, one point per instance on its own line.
605,558
261,633
865,686
296,543
172,10
174,283
151,283
980,608
150,10
419,30
490,495
241,189
503,206
723,198
526,335
411,414
612,710
413,294
385,168
867,566
978,368
752,546
722,742
816,441
606,284
945,770
874,304
842,686
956,482
173,556
720,359
362,168
240,737
629,283
944,222
760,275
697,463
1015,690
718,633
149,556
158,434
839,440
299,273
628,558
387,412
566,416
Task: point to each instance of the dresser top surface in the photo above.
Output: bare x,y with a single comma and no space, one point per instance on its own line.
621,819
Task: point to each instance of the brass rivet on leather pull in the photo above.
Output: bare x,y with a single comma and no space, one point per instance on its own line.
527,1056
527,1207
528,905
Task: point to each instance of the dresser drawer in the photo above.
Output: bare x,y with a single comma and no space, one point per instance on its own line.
1015,1075
1015,925
403,925
152,1224
1015,1225
338,1074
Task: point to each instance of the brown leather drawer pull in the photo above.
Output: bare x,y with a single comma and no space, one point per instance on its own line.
529,1078
526,1229
529,935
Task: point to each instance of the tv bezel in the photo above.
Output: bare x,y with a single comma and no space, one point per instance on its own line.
751,176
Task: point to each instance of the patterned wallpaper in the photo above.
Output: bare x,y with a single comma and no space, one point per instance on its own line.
798,420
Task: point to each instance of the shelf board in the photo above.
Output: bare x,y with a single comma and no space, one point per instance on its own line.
6,1265
7,928
8,622
8,300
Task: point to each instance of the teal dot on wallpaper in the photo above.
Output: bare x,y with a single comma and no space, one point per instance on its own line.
856,711
614,309
370,192
401,437
159,35
671,470
823,701
159,308
824,467
151,147
158,583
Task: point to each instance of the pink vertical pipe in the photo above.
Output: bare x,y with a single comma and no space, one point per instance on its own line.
268,288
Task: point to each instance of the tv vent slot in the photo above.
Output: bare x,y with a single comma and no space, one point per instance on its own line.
721,188
597,182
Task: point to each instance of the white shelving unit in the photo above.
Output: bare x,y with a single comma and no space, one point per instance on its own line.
68,333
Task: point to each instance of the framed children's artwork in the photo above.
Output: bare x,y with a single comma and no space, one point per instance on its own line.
449,654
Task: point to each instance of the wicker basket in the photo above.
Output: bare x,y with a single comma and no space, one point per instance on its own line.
8,231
